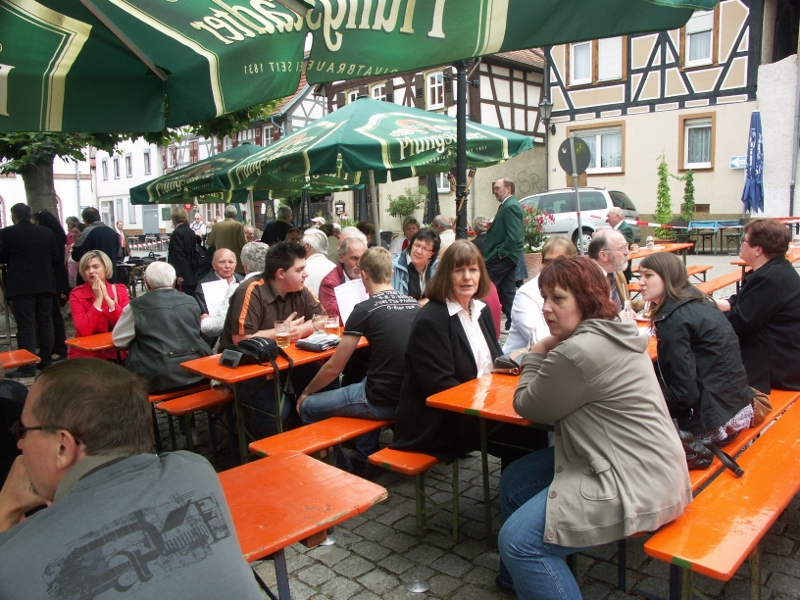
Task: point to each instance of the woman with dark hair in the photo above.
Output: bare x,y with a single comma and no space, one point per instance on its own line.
765,313
699,364
47,219
617,467
415,266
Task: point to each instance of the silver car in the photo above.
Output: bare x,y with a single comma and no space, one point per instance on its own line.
595,203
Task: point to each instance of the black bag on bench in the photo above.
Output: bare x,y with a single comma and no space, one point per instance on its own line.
699,455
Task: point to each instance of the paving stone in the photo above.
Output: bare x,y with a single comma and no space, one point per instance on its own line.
783,584
341,588
653,587
424,554
366,595
596,591
469,548
373,531
481,577
471,592
399,542
439,540
298,563
607,572
379,581
777,544
353,567
370,550
452,565
490,559
328,555
391,516
396,563
315,575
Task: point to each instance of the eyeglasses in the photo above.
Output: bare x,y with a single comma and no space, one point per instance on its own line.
19,430
417,247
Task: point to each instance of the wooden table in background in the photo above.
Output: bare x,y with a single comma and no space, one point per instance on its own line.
209,367
13,359
682,247
290,497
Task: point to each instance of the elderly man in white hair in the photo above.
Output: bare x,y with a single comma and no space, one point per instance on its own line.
317,264
352,244
162,329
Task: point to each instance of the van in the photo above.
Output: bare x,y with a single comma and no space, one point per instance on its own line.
595,203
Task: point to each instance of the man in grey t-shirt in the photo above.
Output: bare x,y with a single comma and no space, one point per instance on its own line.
121,519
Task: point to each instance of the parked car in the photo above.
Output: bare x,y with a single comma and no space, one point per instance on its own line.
595,203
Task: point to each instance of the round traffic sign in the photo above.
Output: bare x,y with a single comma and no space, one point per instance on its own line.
583,156
188,206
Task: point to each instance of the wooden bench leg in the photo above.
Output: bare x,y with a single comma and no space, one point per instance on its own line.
622,559
172,439
282,575
187,431
685,588
487,509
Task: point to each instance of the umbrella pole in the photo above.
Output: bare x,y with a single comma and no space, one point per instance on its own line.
373,191
581,249
461,151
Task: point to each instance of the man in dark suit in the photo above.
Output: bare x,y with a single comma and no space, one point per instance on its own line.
276,231
96,236
616,219
182,253
503,248
29,251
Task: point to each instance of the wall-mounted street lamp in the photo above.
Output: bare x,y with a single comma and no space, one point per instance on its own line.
545,110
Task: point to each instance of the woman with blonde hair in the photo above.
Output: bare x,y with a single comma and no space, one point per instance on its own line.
96,304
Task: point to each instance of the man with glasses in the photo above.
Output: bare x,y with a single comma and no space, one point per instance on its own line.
610,251
122,517
616,219
350,250
414,267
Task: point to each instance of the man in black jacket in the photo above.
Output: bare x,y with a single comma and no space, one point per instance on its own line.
96,236
182,253
29,252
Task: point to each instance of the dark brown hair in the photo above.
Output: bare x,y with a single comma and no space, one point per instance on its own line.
676,282
581,276
773,236
100,403
460,253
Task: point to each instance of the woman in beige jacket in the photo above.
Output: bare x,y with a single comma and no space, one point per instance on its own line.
617,467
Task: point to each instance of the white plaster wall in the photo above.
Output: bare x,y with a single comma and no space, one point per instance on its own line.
650,135
776,100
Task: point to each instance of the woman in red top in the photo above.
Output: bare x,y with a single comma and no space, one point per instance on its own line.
96,305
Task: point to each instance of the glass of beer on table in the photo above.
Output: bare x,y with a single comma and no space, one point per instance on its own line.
319,322
332,326
283,333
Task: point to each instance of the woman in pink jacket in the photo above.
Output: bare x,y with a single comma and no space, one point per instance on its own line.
96,305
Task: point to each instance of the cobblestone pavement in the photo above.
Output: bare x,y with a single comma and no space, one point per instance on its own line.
377,553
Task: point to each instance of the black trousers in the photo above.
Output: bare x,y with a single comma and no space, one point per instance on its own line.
502,272
38,309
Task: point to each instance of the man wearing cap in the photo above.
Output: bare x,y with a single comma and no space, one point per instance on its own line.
317,222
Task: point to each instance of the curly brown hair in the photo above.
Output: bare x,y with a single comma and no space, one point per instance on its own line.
582,277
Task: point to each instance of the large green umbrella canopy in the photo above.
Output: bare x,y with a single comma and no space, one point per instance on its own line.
200,179
369,135
137,65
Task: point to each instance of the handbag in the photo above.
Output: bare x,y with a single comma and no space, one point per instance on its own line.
700,455
259,351
508,363
761,407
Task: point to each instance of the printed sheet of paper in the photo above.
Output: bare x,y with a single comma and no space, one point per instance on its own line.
215,293
348,295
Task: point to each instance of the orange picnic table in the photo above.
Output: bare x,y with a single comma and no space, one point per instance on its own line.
14,359
793,255
681,247
92,343
290,497
209,367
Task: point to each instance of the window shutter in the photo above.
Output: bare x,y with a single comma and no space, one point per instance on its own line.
419,91
363,91
258,136
389,90
341,100
449,100
220,145
609,60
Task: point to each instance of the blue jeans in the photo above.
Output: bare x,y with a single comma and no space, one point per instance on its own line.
538,569
349,401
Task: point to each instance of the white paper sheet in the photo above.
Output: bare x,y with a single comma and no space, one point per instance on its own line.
348,295
215,293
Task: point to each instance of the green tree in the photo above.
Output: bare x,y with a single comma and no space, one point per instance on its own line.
663,212
32,154
406,204
687,206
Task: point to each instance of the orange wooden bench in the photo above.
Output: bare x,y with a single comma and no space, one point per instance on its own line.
156,398
725,524
712,285
634,287
417,464
183,407
316,437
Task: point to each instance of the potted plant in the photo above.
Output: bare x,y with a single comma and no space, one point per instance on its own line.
663,212
534,236
406,204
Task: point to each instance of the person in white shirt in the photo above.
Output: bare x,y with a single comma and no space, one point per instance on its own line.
526,312
317,264
444,227
198,226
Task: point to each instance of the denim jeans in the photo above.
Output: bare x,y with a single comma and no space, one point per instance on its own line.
349,401
538,569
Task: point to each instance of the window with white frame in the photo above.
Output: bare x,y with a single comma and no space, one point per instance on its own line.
606,147
379,92
267,139
352,96
442,183
699,41
596,61
435,90
116,167
227,143
131,213
580,63
128,165
118,214
697,143
147,162
104,168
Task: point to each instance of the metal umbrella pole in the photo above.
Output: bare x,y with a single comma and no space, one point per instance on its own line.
461,151
581,249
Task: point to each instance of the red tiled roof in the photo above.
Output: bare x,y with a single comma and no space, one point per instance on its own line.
285,101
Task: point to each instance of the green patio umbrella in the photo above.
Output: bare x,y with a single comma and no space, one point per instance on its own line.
138,65
373,136
200,179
